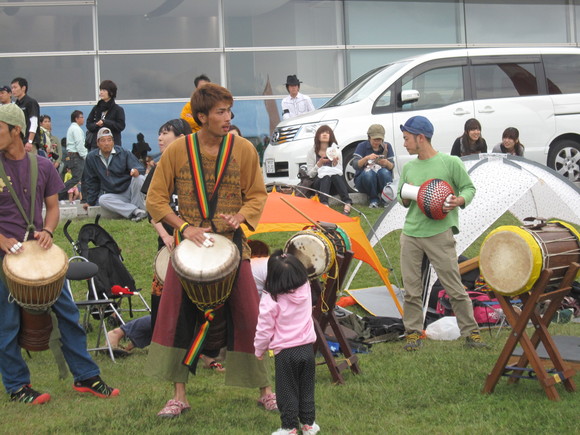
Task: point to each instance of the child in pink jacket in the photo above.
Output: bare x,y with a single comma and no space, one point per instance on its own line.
285,326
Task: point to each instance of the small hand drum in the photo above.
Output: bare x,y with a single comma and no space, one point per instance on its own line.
431,197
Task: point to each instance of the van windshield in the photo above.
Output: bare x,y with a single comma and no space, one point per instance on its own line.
365,85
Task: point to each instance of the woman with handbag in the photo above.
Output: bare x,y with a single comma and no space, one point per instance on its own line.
324,165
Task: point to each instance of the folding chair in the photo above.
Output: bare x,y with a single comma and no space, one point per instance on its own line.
81,269
113,281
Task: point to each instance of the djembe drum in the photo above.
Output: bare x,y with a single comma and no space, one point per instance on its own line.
160,264
511,258
431,197
35,278
314,249
207,274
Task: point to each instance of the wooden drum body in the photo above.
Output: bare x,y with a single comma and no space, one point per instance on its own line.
207,274
35,278
512,258
314,249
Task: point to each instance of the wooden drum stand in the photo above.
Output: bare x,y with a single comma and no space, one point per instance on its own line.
518,321
323,316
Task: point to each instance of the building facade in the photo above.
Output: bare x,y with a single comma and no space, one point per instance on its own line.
153,49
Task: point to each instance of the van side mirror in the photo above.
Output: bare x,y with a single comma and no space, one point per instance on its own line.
410,96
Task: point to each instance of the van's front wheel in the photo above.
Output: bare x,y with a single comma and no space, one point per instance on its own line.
564,157
347,169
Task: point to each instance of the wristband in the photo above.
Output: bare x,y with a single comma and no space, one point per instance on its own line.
49,233
183,227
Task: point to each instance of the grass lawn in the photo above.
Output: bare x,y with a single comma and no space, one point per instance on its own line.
436,390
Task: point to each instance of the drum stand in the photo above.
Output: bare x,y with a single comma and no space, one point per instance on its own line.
518,321
323,316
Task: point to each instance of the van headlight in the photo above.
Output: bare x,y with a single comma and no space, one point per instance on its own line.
308,131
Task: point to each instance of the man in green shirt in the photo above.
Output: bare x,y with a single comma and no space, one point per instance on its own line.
423,236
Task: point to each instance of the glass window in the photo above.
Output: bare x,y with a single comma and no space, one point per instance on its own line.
403,22
361,61
151,76
563,73
135,24
504,80
249,72
53,28
55,78
437,87
272,23
516,21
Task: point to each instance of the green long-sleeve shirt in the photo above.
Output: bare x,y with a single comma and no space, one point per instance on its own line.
445,167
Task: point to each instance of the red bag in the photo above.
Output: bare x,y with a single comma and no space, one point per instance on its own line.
487,311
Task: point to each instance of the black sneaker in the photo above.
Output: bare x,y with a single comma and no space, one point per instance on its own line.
474,341
29,396
96,386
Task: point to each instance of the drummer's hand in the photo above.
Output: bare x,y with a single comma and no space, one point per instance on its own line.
453,201
196,234
168,241
43,238
9,243
233,221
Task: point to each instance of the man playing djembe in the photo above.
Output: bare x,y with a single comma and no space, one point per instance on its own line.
423,236
219,183
16,180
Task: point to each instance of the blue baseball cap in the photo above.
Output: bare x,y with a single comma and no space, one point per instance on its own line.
5,89
419,125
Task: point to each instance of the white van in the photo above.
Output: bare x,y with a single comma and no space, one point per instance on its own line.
536,90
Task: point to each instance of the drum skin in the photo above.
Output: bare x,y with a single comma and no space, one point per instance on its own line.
207,274
314,250
160,264
511,258
36,275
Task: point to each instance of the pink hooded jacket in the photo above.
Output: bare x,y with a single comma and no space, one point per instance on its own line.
286,322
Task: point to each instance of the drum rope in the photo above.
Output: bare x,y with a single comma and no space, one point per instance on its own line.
197,344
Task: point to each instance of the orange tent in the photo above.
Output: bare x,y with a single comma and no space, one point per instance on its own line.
279,216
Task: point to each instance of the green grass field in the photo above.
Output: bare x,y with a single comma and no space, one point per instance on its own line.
436,390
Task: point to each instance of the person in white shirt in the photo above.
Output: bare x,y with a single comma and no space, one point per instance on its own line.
295,103
76,152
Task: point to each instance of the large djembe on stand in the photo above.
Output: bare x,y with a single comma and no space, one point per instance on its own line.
324,249
520,254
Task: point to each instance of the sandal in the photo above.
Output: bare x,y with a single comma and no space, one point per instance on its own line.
268,402
173,408
216,366
346,210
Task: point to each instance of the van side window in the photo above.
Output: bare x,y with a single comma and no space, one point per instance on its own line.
504,80
437,88
563,73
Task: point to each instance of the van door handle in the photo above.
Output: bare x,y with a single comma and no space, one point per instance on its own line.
487,109
460,111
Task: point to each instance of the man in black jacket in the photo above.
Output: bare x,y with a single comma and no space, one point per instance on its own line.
113,178
31,111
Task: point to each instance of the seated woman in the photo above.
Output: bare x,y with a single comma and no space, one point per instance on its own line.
326,169
471,141
510,143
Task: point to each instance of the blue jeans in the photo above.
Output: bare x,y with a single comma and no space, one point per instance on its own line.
372,183
14,370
